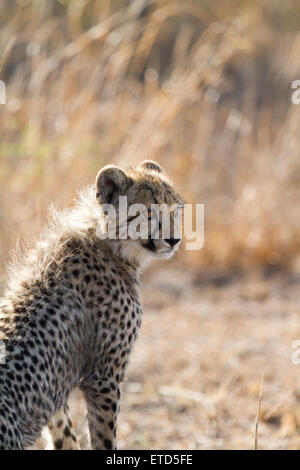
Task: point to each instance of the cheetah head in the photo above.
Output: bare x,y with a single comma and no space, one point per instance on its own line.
146,209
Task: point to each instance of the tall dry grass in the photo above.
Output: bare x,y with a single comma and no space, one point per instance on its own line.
201,86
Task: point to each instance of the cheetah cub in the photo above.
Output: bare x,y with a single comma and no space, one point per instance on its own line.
71,312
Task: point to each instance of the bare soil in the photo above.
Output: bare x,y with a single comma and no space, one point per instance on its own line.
195,375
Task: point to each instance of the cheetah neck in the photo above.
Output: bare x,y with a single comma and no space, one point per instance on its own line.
129,252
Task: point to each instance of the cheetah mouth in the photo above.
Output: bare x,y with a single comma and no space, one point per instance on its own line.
162,252
165,254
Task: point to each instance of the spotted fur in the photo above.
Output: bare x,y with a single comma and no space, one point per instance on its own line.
71,314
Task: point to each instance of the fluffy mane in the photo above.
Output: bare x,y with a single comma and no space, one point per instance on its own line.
76,225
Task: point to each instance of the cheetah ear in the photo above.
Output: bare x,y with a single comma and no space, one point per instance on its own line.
110,181
150,165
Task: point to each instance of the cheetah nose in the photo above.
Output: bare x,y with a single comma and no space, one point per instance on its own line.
173,241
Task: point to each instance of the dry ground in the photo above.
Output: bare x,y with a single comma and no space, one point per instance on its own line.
196,370
194,379
195,373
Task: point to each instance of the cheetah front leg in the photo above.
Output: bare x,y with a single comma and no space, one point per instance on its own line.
102,399
62,432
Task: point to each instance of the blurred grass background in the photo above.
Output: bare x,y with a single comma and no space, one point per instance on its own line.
204,88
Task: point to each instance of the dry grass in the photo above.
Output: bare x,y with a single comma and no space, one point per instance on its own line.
198,86
204,88
258,414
